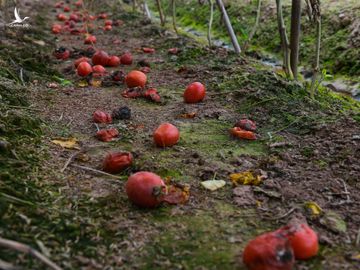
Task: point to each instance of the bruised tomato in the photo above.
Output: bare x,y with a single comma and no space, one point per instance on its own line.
145,189
107,27
61,17
166,135
108,22
152,94
90,40
100,58
99,69
114,61
81,59
118,76
103,16
62,53
194,93
102,117
116,162
269,251
107,135
135,78
126,59
246,124
84,69
56,28
78,3
74,17
242,134
66,9
148,50
303,239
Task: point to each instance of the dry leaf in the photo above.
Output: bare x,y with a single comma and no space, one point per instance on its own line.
213,184
314,208
69,143
82,84
246,178
96,83
187,115
177,194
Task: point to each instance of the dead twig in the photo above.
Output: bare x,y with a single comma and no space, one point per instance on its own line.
7,266
95,171
71,158
282,216
10,244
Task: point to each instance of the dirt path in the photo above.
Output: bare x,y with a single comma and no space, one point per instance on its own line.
309,152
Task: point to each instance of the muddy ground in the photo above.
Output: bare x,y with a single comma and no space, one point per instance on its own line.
309,150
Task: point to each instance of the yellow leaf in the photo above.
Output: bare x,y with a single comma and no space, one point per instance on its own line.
314,208
245,178
69,143
213,184
83,84
96,83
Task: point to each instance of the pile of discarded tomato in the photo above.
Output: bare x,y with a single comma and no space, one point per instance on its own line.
278,250
271,251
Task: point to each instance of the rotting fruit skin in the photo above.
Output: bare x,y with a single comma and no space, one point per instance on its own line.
100,58
242,134
269,251
246,124
303,239
102,117
194,93
117,162
166,135
145,189
135,78
107,135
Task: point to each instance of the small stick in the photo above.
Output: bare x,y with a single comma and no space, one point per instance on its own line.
67,163
95,170
7,266
357,241
282,216
23,107
10,244
346,190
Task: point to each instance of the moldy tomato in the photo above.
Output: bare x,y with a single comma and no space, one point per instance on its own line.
269,251
194,93
100,58
84,69
303,240
145,189
166,135
102,117
116,162
107,135
135,78
62,53
246,124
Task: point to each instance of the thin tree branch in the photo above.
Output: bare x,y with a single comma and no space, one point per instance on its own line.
253,31
161,13
173,7
211,2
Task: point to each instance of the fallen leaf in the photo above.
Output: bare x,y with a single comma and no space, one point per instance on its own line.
314,208
213,184
269,193
69,143
95,83
177,194
246,178
355,257
333,222
187,115
82,84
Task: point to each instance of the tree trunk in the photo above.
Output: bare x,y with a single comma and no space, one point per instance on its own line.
295,36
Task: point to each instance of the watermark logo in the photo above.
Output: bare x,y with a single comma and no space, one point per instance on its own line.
18,22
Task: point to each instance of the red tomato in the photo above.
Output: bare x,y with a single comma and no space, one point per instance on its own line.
92,17
107,135
56,28
61,17
74,17
102,16
145,189
194,93
99,69
90,40
126,59
246,124
59,4
166,135
78,3
148,50
269,251
84,69
81,59
114,61
152,94
102,117
108,22
303,240
66,9
100,58
116,162
107,27
242,134
135,78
